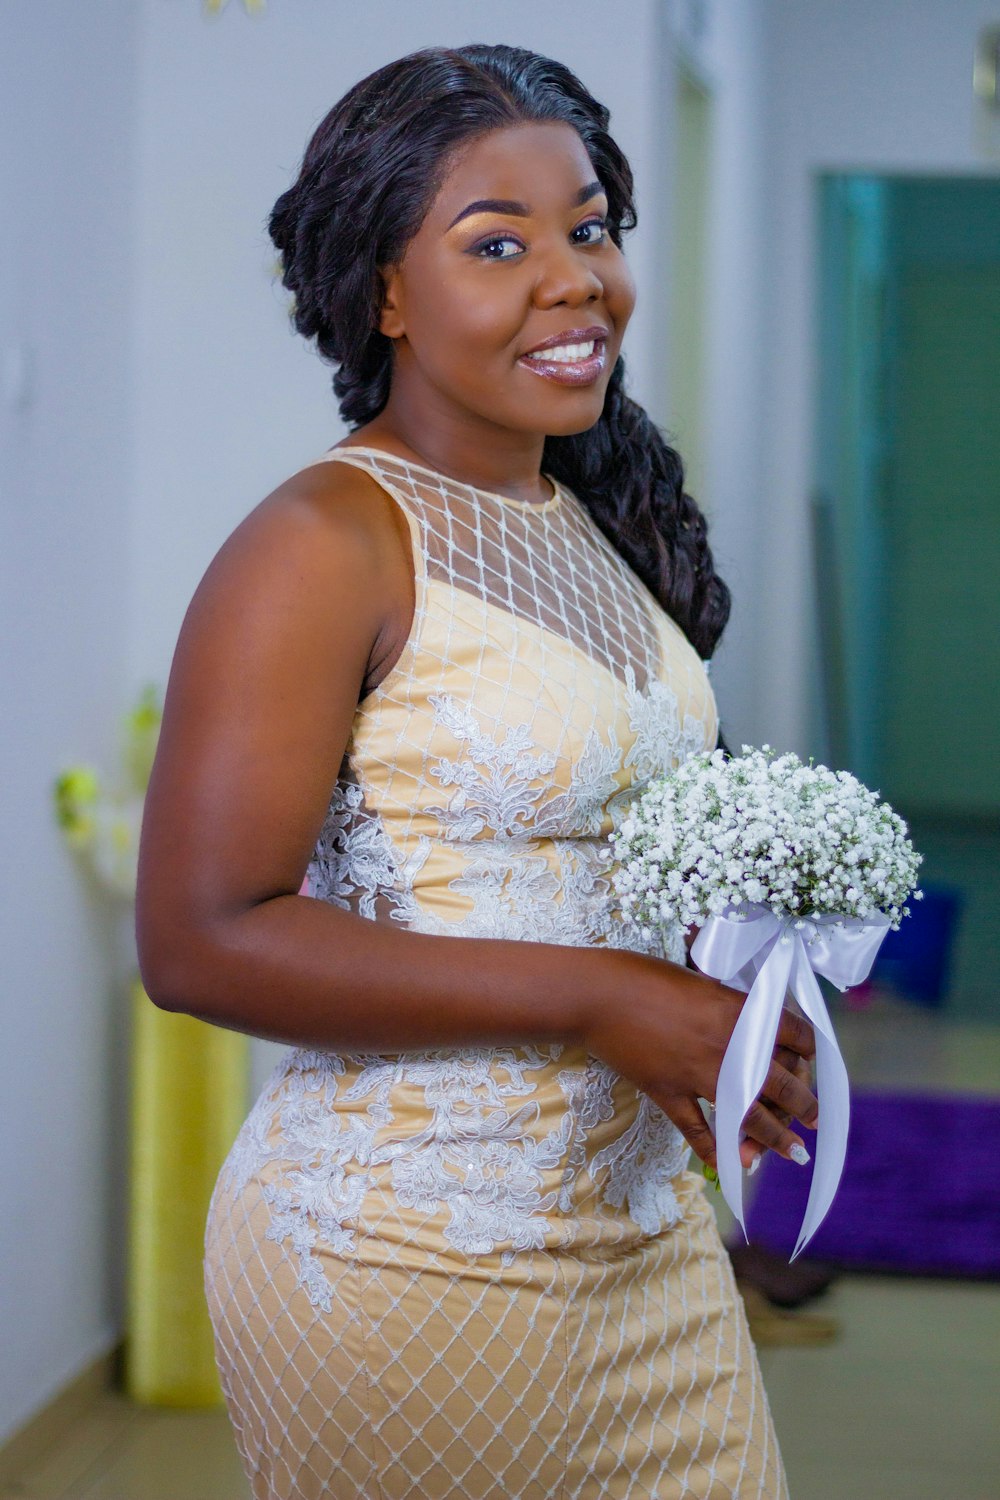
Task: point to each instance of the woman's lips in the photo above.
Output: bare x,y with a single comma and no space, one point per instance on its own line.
573,372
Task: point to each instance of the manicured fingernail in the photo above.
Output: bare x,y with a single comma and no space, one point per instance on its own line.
799,1153
751,1169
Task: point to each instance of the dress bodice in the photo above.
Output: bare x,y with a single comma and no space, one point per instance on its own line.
540,687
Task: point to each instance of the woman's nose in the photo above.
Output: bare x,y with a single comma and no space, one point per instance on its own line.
566,277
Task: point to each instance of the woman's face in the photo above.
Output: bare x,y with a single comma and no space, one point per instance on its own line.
480,286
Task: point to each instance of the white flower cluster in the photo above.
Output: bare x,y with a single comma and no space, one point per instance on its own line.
764,829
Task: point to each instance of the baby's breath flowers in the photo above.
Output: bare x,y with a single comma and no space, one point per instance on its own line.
789,871
761,828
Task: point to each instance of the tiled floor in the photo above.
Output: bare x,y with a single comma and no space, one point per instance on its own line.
905,1405
126,1452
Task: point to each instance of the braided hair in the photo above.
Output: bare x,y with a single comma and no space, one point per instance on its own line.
370,173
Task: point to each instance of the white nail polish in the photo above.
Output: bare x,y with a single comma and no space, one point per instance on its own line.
800,1154
751,1169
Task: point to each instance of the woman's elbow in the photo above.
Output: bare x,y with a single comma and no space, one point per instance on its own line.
172,960
162,969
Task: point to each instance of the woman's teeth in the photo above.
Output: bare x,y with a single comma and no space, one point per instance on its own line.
564,353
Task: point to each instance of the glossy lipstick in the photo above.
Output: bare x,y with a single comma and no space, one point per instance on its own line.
569,372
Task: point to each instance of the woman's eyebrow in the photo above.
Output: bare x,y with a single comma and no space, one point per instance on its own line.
517,209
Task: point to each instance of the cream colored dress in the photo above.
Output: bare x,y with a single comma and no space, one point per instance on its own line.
479,1273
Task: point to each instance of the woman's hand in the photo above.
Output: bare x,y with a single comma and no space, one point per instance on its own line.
750,1151
802,1068
669,1035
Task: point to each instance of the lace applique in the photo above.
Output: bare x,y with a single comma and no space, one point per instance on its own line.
252,1148
493,780
498,786
661,742
514,891
476,1158
594,780
493,1190
641,1165
589,1100
355,864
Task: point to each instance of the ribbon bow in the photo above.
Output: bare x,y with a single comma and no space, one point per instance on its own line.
752,949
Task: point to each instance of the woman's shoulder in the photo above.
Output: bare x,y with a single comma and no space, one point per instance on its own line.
324,518
342,499
327,533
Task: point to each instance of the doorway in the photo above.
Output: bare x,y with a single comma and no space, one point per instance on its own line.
906,513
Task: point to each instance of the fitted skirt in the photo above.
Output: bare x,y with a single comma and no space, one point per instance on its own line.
548,1331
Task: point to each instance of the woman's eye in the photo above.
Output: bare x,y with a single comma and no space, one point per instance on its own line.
598,224
496,239
485,248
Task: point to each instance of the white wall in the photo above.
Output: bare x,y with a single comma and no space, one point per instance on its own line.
850,86
721,43
66,80
229,401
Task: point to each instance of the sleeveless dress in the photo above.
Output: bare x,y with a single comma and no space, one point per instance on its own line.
479,1273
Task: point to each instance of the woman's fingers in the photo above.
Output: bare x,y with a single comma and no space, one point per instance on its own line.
765,1129
687,1116
802,1070
794,1062
750,1155
790,1093
763,1126
796,1033
786,1095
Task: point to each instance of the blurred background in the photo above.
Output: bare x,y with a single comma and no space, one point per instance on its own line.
818,271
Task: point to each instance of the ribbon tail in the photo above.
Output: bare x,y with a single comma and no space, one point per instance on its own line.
745,1066
834,1095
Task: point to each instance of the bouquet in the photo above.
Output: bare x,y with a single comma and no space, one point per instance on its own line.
790,871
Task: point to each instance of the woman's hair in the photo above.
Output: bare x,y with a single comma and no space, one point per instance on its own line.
370,173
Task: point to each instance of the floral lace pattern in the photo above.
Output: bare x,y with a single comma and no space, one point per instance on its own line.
476,1158
662,741
498,832
355,865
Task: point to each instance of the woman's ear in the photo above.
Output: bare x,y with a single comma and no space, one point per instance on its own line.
391,315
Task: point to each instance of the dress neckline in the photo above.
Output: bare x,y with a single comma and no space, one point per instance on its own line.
533,505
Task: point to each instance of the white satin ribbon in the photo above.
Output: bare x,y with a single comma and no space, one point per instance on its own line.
767,955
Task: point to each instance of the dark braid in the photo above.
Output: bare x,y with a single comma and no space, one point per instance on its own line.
370,173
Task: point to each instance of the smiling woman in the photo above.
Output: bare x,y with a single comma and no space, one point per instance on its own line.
456,1251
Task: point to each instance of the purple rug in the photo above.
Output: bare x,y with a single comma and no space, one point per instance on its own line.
920,1194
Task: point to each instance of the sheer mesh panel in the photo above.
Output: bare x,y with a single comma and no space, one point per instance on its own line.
538,561
486,1272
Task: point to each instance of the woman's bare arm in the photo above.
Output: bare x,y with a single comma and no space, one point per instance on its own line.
265,681
301,603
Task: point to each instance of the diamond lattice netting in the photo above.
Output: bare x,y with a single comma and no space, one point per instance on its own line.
474,1272
577,1375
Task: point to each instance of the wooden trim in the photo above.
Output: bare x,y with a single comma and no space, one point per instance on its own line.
37,1437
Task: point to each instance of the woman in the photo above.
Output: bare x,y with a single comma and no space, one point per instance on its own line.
456,1250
